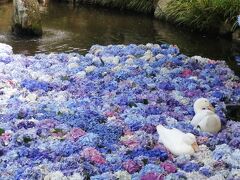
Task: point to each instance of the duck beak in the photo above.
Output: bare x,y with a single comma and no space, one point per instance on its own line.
195,147
211,108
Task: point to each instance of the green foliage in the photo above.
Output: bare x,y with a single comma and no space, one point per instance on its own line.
203,14
2,131
57,130
141,5
27,140
145,6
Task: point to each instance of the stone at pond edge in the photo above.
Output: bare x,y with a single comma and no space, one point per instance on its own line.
160,6
26,18
236,35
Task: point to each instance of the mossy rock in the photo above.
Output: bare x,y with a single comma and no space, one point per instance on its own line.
26,18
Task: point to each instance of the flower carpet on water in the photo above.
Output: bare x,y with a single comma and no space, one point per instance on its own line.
72,116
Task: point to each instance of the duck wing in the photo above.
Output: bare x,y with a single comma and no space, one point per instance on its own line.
200,116
171,137
211,124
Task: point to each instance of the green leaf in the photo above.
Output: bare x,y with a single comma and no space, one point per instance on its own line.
27,139
57,130
2,131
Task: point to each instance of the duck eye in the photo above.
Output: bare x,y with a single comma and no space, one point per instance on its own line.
203,108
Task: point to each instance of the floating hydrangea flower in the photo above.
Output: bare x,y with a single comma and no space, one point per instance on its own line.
206,171
131,166
151,168
169,167
54,176
190,166
75,133
122,175
221,151
95,115
93,155
5,137
152,176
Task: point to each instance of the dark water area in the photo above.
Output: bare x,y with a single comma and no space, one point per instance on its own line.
75,29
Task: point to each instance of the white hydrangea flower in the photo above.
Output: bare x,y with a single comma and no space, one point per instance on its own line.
76,176
96,60
122,175
148,56
55,176
5,49
129,61
81,75
73,65
110,59
31,97
45,77
89,69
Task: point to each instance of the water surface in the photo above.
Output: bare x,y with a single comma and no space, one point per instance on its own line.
75,29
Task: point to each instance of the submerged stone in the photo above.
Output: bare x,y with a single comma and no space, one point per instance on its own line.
26,18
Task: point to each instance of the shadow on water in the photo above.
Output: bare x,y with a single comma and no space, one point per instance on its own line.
76,29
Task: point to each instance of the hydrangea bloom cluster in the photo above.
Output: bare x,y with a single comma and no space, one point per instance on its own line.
72,116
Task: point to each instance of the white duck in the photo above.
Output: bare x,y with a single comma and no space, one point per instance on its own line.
205,118
176,141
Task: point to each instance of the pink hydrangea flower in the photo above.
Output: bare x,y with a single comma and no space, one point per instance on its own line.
152,176
93,155
110,113
128,132
210,61
131,166
47,123
131,144
130,141
201,140
6,137
75,133
169,167
186,73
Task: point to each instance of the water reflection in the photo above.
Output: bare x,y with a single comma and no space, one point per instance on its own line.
69,28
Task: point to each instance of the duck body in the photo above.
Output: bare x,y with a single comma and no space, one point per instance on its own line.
174,141
205,117
207,121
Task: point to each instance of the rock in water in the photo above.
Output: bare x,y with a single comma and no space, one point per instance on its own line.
26,18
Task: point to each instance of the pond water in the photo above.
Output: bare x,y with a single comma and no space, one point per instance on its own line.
76,29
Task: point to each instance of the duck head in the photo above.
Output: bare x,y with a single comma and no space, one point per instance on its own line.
190,139
202,104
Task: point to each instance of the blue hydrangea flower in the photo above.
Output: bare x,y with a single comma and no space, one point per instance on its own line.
151,168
